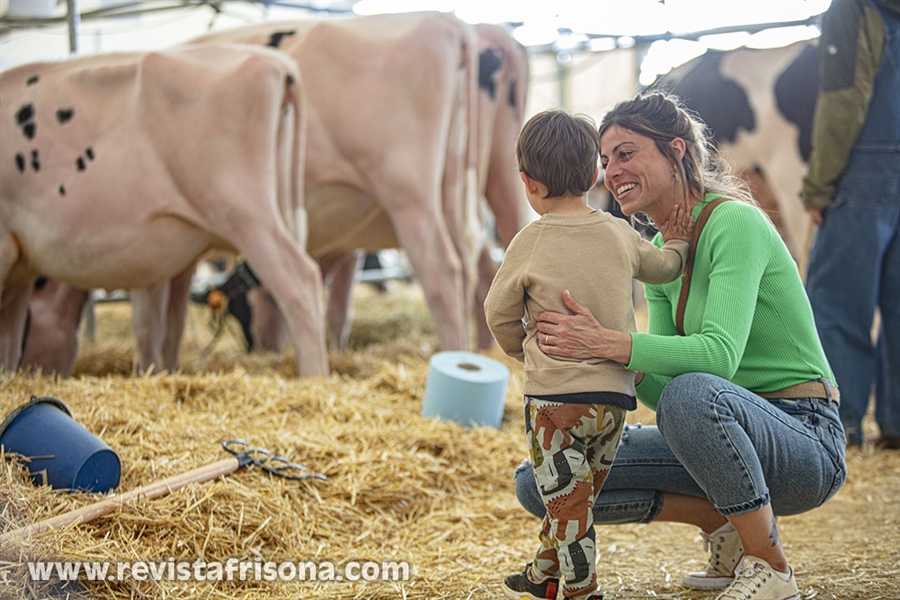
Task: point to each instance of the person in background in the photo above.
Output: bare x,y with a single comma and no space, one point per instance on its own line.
852,190
574,409
747,423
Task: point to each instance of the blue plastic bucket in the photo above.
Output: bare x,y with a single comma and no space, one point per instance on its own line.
57,449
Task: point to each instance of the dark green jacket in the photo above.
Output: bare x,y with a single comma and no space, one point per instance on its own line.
851,51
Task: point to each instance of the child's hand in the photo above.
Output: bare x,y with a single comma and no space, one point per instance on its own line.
678,226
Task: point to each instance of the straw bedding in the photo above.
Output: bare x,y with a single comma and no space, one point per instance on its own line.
400,487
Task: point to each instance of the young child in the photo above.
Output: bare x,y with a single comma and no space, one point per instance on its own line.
574,409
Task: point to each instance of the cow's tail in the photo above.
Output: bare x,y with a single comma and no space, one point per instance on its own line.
522,75
471,214
294,96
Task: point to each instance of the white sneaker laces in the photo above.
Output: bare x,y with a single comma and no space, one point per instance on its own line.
752,577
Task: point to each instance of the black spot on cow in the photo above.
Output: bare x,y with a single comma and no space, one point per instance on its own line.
275,38
35,160
81,161
25,120
64,115
25,114
32,80
62,190
20,162
796,90
512,95
40,283
721,103
489,62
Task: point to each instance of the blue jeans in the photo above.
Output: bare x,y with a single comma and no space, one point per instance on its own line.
718,441
854,266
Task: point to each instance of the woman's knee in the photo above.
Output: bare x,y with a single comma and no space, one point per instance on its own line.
684,399
687,390
527,492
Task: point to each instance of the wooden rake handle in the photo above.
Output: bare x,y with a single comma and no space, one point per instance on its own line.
150,491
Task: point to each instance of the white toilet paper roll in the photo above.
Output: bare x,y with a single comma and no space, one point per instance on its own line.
467,388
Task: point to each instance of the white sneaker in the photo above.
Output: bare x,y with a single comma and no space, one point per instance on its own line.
726,552
757,580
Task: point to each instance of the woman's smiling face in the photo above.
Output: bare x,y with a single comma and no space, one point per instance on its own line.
639,176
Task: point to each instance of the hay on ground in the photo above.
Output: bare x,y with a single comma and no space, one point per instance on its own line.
400,488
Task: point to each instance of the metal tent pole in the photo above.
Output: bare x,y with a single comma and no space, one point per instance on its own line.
74,20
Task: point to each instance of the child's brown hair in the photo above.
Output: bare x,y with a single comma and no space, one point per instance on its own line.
560,150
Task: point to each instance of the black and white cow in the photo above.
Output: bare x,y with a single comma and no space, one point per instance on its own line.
759,105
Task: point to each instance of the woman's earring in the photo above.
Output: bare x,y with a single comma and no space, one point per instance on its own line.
675,173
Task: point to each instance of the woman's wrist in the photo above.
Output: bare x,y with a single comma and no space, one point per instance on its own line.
618,347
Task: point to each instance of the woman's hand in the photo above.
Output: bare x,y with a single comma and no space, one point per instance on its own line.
580,335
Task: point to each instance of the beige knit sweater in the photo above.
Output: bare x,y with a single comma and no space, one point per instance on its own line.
595,257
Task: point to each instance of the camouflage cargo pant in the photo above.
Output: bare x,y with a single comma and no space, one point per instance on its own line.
572,447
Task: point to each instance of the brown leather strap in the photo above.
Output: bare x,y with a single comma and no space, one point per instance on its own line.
689,267
817,388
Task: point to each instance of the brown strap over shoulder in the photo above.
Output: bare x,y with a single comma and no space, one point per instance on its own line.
689,267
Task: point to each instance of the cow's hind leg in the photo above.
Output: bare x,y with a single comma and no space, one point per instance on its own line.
341,276
148,322
439,271
13,314
179,293
295,282
266,322
487,268
13,305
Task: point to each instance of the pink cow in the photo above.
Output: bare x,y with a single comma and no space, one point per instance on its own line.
120,171
400,62
391,161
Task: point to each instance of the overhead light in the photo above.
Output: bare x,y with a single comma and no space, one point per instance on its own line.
725,41
536,35
570,41
602,44
782,36
664,55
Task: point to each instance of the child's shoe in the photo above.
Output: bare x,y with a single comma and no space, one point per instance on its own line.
519,587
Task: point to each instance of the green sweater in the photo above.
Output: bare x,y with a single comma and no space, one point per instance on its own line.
747,318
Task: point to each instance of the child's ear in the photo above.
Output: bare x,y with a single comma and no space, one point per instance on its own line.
530,184
596,176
